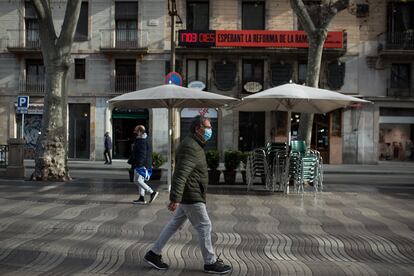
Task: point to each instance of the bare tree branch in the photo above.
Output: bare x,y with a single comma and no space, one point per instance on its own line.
300,9
44,16
69,23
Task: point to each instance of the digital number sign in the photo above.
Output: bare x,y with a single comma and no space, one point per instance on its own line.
197,39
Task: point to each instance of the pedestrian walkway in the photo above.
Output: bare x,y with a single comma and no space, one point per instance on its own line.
90,227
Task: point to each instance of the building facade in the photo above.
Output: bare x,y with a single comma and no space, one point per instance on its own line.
231,47
241,47
119,47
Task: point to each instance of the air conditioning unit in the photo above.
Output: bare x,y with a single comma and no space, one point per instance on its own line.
362,10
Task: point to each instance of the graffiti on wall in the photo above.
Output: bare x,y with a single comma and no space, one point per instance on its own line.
32,127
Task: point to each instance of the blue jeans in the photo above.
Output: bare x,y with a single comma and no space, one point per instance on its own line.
197,215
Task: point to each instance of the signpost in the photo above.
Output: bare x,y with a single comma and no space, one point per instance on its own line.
22,108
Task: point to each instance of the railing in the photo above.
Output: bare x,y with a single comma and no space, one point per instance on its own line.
28,39
401,40
4,156
124,39
124,84
32,84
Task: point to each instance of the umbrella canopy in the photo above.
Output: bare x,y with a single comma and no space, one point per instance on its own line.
296,98
170,96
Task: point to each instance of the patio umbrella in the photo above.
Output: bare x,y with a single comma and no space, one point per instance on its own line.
170,96
296,98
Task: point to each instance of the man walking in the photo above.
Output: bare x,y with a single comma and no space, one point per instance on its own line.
108,148
141,162
188,199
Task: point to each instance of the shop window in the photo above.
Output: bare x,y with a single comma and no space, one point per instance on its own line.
79,68
253,15
126,18
400,75
281,73
81,33
336,75
224,75
302,72
252,76
197,70
197,15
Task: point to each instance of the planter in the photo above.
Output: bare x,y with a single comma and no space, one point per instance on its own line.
156,174
214,177
230,177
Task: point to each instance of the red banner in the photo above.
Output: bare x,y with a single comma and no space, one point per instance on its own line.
254,38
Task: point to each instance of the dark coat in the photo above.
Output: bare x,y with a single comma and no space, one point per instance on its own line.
141,153
108,142
190,179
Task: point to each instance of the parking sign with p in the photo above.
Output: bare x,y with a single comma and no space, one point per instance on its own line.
22,104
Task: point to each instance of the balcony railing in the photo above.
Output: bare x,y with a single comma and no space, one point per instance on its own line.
4,152
124,84
400,41
32,84
23,39
124,39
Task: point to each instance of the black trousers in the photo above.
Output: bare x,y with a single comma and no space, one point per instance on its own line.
107,154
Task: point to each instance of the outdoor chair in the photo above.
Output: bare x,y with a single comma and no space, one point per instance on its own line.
277,158
257,166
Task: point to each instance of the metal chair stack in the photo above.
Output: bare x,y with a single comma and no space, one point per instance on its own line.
305,166
278,159
257,166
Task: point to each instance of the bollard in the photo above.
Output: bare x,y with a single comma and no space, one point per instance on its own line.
15,167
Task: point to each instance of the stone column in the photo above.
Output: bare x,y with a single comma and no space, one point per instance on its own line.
15,167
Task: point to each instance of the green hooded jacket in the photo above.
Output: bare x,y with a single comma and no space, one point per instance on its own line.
190,179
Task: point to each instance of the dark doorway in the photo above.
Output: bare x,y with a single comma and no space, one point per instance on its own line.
251,130
123,122
79,131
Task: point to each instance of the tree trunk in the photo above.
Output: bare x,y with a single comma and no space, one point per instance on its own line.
316,42
51,151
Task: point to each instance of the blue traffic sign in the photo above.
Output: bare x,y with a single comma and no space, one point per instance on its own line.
22,104
174,78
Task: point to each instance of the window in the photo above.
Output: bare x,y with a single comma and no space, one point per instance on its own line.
197,15
400,76
253,15
35,75
252,75
32,26
125,75
126,22
79,68
197,70
281,73
302,72
81,33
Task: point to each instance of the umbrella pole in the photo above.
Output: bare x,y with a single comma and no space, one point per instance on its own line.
288,136
169,148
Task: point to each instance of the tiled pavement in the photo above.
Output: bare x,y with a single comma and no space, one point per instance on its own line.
91,228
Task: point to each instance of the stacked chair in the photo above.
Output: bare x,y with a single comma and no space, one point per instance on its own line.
257,166
305,165
278,160
276,164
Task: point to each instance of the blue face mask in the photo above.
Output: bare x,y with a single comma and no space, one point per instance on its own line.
208,132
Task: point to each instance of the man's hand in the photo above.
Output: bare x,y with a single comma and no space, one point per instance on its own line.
173,206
